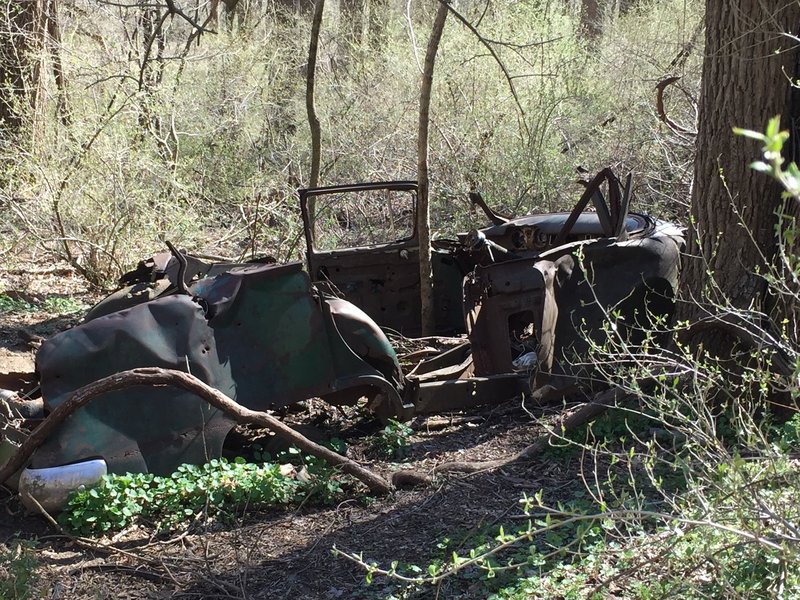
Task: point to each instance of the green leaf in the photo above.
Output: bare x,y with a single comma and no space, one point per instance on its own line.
755,135
774,126
761,167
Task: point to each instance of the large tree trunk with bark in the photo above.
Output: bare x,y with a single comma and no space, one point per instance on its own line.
749,61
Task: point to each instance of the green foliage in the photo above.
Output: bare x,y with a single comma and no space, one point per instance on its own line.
216,489
320,481
13,305
61,305
690,489
51,304
393,441
18,571
773,164
789,434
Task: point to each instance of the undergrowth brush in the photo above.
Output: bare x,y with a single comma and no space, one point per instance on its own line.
205,143
688,485
18,571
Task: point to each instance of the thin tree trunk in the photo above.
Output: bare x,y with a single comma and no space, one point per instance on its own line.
54,35
313,120
423,199
23,31
590,26
37,90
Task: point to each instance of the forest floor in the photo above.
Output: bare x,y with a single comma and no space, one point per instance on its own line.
286,553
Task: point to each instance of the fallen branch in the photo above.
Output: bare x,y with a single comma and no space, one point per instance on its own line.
163,377
586,413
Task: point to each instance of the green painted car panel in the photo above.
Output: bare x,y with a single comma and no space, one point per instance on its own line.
259,334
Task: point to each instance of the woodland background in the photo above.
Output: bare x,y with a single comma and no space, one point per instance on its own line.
128,126
127,123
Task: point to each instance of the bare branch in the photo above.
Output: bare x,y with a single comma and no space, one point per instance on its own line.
489,46
662,113
172,9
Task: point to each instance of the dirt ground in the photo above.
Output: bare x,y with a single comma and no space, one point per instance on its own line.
287,554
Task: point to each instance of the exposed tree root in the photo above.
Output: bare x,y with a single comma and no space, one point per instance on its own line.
410,478
163,377
586,413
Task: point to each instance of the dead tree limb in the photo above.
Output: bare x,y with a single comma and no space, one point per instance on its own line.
154,376
662,113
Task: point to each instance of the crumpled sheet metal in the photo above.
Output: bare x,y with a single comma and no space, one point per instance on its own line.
569,294
179,427
265,342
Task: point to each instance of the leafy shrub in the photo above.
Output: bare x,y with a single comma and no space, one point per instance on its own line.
393,440
215,489
51,304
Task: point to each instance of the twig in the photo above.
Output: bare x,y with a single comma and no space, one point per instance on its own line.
175,10
87,543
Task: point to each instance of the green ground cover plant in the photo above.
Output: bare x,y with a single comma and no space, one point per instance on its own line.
18,571
216,490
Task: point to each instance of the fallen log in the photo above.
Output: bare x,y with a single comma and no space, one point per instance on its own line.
166,377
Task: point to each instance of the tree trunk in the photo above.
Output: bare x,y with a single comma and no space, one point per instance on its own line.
54,41
590,26
423,204
23,29
313,120
746,73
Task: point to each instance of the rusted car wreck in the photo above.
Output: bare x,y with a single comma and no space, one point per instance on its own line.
527,296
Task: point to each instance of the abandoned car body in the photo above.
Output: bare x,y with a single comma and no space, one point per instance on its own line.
556,276
269,335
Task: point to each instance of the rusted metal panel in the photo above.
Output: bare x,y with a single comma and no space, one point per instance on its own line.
504,303
461,394
565,300
136,430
